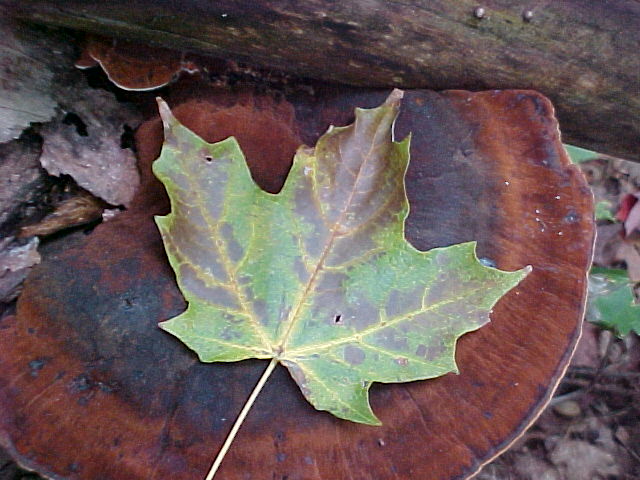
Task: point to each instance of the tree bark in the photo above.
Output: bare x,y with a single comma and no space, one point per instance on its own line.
581,54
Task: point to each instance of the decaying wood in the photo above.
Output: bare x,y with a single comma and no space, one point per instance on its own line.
22,181
581,54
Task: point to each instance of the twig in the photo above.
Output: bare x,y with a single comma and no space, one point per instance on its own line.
629,450
590,372
592,385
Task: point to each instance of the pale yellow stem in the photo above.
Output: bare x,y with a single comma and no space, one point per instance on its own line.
243,414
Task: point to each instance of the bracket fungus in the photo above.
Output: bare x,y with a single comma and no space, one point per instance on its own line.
91,388
134,66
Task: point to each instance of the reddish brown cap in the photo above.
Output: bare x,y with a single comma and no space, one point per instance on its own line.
91,388
132,65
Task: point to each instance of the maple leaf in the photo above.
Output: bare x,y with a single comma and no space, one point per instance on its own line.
318,277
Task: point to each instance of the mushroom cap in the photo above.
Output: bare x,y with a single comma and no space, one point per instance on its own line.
91,388
131,65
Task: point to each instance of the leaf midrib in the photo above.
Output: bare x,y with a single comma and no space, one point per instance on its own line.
281,349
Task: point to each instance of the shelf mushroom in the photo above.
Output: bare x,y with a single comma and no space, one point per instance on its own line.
91,388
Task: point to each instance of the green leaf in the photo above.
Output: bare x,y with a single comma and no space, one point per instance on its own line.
611,303
319,276
603,211
580,155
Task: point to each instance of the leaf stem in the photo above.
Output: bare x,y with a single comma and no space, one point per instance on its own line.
243,414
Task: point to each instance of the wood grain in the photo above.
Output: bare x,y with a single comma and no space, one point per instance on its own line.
581,54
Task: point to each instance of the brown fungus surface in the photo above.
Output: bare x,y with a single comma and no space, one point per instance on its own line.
91,388
131,65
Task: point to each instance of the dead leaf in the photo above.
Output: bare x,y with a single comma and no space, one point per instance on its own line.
579,460
72,212
85,142
532,468
629,252
22,179
629,213
16,259
630,170
608,242
587,354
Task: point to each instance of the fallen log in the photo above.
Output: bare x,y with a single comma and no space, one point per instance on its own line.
583,55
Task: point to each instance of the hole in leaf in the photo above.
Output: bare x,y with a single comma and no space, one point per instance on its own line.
127,139
75,120
208,159
488,262
338,319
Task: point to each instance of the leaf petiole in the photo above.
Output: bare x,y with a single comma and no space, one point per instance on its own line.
243,414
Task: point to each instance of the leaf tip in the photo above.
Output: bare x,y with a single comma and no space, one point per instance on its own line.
369,418
394,97
165,113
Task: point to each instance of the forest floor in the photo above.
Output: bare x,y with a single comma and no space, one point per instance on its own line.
591,428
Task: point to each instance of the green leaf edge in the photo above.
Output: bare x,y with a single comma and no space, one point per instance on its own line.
579,154
602,211
620,278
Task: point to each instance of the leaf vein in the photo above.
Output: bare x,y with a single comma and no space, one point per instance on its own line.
213,227
357,336
332,236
